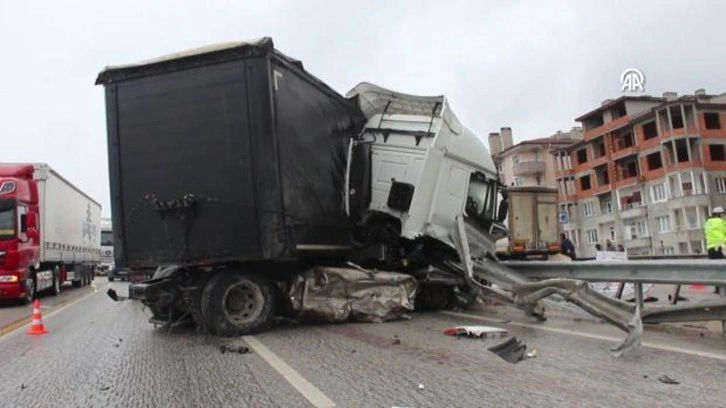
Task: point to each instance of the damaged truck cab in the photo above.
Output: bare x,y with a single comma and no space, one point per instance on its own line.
234,173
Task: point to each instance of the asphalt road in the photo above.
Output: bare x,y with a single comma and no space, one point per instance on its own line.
104,354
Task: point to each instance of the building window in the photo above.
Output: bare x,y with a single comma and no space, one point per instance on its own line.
613,235
721,185
585,183
588,210
499,168
516,159
519,182
538,180
668,251
650,130
676,118
654,161
581,156
717,152
713,121
663,224
658,193
591,236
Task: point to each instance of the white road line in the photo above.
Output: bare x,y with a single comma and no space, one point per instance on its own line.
303,386
698,353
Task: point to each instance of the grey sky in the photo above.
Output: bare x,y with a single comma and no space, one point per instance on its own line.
534,66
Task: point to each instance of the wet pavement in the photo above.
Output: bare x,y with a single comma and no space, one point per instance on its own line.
105,354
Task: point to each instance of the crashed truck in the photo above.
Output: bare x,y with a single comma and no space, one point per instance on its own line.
254,189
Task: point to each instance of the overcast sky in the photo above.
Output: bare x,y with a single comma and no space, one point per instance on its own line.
531,65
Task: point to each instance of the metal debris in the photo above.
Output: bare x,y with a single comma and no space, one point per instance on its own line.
476,331
511,350
234,349
667,380
114,296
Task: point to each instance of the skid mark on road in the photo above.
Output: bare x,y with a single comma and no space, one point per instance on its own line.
7,329
303,386
717,356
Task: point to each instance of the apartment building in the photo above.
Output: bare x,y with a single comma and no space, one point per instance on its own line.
646,174
530,162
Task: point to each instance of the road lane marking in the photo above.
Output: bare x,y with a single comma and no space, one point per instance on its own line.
9,328
656,346
303,386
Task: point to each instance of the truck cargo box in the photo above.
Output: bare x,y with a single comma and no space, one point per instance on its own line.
532,221
226,153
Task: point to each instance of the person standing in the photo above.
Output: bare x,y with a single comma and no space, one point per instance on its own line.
567,247
715,232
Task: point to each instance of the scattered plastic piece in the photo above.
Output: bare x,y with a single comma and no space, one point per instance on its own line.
420,387
476,331
667,380
532,354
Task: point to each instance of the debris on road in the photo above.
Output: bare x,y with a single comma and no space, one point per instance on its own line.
23,386
325,294
234,349
532,354
116,345
113,295
667,380
476,331
105,388
396,340
511,350
420,387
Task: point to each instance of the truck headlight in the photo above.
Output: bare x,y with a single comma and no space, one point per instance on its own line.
8,278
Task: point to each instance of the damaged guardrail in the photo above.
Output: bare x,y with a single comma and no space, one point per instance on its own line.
543,279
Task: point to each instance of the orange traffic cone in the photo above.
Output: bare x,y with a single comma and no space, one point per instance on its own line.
36,327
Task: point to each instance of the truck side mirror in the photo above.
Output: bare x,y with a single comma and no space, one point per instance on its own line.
31,221
400,196
503,209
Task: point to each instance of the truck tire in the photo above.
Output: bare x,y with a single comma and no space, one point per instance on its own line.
433,297
236,303
56,288
30,286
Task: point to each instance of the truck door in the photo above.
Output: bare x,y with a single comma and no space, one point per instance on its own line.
546,222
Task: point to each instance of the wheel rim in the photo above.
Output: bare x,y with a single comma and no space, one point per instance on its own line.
29,289
243,303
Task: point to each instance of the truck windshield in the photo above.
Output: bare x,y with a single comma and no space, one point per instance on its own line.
7,223
106,238
481,201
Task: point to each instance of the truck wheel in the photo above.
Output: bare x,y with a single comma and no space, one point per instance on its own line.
30,287
433,297
78,283
55,289
235,303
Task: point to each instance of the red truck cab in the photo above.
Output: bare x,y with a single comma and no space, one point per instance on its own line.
19,235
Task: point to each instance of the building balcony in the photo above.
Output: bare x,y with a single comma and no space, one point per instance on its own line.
639,242
607,127
605,218
564,173
679,134
605,188
622,153
633,210
529,167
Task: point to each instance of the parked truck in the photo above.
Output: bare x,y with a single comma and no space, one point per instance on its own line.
49,232
533,224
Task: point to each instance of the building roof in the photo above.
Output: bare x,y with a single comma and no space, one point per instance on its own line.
610,104
543,141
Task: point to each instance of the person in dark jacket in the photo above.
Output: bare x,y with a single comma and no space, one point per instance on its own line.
566,246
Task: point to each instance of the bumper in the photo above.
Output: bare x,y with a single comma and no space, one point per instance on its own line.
14,290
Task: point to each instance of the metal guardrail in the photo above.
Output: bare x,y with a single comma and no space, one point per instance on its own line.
675,272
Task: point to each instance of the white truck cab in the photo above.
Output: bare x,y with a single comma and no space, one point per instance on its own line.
426,167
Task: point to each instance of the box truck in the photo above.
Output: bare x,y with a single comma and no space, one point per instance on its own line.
49,232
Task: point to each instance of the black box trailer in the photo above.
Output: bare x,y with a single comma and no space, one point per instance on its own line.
225,154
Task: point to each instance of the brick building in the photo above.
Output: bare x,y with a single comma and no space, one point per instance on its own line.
646,174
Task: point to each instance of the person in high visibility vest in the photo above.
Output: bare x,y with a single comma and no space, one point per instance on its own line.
715,232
